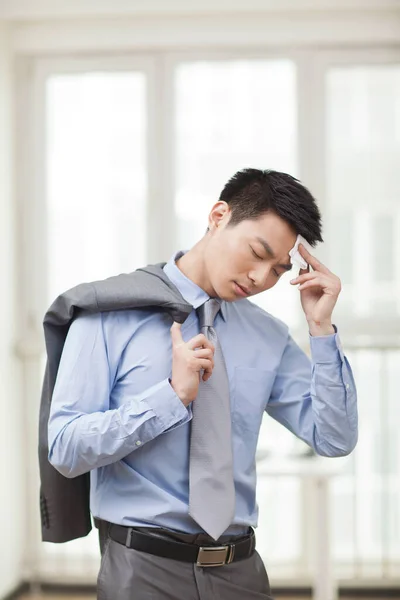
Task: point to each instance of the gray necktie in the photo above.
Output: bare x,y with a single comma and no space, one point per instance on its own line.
211,486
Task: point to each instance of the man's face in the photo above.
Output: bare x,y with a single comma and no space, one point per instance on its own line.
240,255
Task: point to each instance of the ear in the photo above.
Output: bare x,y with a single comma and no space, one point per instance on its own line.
219,215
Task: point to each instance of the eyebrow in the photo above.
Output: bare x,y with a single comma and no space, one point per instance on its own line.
271,253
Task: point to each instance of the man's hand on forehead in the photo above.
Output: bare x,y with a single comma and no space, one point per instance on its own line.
319,289
296,258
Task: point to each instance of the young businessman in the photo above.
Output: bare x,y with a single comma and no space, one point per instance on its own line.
166,418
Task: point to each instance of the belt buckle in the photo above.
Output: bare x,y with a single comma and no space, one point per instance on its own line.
215,556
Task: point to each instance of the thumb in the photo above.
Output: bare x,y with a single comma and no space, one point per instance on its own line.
176,332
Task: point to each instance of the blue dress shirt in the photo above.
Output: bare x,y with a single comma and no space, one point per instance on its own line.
115,414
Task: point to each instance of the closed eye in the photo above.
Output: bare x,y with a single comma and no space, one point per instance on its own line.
255,254
261,258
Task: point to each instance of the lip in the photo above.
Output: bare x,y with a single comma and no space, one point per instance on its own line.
241,291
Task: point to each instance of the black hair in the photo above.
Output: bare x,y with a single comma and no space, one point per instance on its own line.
253,192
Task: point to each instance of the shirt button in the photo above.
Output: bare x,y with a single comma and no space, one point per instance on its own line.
347,386
138,443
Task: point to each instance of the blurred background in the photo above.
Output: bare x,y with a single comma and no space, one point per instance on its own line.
120,122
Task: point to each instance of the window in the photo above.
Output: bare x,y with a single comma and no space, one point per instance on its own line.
230,115
363,220
96,176
363,187
109,133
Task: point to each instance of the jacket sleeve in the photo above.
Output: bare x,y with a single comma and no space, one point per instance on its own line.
317,400
84,433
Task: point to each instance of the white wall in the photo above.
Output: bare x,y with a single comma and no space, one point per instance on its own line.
12,510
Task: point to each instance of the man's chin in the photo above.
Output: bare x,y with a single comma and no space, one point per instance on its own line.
228,294
222,295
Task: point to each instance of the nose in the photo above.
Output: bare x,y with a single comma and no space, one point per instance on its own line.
259,276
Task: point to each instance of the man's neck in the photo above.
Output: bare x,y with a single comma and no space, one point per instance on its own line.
191,265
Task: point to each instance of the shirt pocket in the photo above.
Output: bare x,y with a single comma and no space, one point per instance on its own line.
252,389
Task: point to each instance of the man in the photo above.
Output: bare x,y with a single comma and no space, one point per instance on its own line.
166,418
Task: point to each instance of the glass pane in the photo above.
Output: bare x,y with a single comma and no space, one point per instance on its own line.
279,527
96,176
383,249
370,493
96,212
230,115
363,187
339,251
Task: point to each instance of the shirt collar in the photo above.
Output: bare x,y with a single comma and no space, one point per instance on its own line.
192,293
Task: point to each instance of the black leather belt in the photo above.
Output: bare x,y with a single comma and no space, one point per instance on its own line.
202,556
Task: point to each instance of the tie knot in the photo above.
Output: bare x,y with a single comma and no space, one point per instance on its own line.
208,311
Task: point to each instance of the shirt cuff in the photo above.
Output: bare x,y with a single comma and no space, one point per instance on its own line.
166,405
326,348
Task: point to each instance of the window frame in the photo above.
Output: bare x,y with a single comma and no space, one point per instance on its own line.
159,64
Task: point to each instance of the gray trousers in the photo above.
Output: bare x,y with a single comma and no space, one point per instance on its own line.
127,574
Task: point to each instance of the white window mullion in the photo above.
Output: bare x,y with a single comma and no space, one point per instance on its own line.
311,156
161,224
311,146
311,124
32,265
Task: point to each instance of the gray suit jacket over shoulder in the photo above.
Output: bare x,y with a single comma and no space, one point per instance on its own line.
64,503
